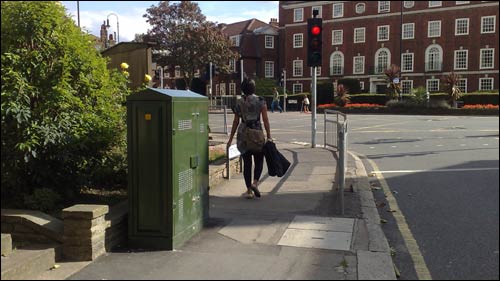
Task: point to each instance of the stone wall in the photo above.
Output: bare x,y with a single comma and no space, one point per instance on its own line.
86,231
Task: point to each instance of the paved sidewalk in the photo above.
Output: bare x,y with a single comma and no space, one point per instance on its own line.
294,231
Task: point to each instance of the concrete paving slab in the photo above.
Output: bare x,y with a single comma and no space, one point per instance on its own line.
316,239
375,266
323,223
248,231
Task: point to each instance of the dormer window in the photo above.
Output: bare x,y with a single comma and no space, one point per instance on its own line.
360,8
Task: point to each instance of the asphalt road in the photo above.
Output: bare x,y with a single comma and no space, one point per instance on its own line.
443,173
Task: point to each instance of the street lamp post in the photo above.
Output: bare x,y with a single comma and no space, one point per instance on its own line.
117,25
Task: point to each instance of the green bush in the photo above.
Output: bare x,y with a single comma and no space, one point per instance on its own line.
352,85
42,199
480,98
402,104
325,93
62,109
369,98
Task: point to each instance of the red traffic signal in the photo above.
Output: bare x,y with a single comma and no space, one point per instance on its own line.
315,30
314,41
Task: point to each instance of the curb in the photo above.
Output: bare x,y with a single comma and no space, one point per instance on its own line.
376,263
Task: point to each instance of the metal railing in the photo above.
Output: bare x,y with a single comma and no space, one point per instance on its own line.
217,119
338,133
332,123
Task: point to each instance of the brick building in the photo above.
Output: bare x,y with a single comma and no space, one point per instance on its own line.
428,39
256,44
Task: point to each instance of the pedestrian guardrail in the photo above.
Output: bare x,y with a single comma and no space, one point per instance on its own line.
217,119
335,135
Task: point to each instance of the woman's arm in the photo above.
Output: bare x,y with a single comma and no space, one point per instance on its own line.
236,122
266,121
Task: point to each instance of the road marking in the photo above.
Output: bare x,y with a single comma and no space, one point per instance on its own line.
431,171
411,244
439,145
376,126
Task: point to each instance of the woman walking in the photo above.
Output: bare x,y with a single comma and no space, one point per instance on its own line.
250,108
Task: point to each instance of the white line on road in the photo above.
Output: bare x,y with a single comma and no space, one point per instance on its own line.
430,171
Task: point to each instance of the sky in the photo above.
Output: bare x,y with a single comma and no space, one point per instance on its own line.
131,20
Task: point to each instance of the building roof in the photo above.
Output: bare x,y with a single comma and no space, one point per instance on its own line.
243,27
126,47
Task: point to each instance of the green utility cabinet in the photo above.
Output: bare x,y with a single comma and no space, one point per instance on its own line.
167,134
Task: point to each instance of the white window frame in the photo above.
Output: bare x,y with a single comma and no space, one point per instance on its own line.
232,89
318,71
379,29
482,24
457,22
177,71
464,88
360,6
298,17
235,40
377,64
362,85
405,37
298,68
384,9
461,2
433,4
222,89
269,39
354,64
359,29
440,58
342,63
456,61
484,79
296,86
341,14
296,40
403,87
320,11
341,37
232,65
409,4
269,69
217,90
403,69
429,23
481,66
427,85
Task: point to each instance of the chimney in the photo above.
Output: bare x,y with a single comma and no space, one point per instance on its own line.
104,32
274,22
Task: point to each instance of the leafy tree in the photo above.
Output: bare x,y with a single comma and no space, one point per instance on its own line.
186,38
62,113
451,81
392,73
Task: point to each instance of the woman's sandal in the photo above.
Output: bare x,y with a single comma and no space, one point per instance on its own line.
255,190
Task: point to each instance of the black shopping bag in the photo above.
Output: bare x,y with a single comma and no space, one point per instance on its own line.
277,164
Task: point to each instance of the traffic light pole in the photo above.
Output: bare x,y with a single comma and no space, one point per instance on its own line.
284,90
161,77
210,89
313,108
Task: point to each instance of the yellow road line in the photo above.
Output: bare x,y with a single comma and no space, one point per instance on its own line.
411,244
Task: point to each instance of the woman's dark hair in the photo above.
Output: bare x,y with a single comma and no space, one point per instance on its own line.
248,86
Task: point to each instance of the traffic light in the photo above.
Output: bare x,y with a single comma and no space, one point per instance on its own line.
282,79
314,41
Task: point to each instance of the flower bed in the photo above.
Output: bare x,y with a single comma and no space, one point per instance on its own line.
480,106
